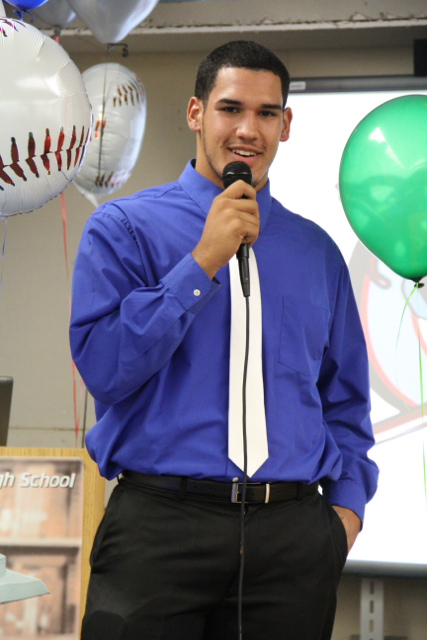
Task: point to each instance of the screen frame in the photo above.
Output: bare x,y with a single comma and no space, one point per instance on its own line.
352,84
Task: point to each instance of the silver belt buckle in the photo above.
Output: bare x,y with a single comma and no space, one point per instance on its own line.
235,492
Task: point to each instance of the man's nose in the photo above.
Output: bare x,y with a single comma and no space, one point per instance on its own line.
248,127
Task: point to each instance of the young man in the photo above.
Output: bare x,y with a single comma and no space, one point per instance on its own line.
150,334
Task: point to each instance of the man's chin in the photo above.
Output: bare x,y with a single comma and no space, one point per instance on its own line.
259,180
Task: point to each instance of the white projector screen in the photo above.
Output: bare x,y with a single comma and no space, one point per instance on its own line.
304,178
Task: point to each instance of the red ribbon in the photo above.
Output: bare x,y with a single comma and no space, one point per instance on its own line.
73,366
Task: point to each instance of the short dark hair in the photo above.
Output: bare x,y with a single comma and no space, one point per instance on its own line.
243,54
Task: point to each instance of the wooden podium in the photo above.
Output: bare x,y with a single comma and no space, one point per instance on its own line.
93,499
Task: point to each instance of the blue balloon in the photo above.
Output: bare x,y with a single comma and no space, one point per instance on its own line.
26,5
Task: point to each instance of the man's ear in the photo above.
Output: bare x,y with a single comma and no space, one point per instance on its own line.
286,128
195,114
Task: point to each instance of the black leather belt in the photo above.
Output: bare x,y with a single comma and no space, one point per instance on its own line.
256,492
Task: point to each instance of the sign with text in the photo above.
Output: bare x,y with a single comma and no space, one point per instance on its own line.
41,526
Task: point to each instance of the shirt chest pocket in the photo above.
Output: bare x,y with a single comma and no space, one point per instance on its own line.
303,335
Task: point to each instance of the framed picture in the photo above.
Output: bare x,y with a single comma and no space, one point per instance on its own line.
51,502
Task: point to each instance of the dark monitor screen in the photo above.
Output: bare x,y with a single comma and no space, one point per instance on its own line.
6,387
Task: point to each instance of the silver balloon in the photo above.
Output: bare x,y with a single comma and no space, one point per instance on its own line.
111,20
56,13
118,102
45,115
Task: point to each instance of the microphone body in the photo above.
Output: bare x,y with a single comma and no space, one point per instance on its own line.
232,172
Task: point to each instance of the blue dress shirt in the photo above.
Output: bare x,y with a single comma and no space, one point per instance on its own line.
150,335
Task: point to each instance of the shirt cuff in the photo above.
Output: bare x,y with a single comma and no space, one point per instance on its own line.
346,493
190,284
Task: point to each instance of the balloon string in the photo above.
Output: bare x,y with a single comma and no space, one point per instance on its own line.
73,366
424,466
76,416
422,397
2,252
64,234
416,287
420,361
397,341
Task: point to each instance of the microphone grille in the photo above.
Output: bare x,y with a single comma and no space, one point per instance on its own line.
234,171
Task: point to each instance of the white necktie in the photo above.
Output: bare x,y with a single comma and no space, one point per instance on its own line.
256,428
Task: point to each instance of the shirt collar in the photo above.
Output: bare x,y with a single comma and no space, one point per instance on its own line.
203,191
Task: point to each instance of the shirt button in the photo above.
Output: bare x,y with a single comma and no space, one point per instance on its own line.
196,292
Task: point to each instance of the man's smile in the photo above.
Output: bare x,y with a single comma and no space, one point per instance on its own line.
249,155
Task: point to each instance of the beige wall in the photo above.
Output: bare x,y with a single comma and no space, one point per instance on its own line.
34,295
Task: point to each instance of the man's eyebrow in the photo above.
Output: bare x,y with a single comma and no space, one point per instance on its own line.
276,107
237,103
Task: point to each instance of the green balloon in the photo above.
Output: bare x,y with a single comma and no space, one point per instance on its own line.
383,184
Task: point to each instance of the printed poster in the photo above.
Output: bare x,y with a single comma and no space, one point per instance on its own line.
41,524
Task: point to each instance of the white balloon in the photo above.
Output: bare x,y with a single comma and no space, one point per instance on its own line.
45,115
119,107
56,13
111,20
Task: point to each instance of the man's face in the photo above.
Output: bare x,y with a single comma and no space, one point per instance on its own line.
242,120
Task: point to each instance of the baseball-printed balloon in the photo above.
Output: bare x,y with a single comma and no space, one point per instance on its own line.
45,115
118,103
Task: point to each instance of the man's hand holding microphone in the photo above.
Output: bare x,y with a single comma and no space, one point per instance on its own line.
233,219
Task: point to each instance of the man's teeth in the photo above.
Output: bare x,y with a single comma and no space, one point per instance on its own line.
244,153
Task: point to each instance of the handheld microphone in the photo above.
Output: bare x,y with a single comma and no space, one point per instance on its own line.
232,172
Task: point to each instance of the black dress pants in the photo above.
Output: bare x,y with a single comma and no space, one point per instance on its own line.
167,569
